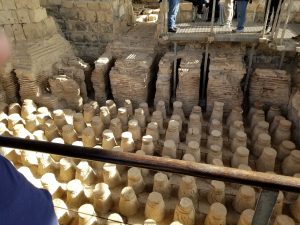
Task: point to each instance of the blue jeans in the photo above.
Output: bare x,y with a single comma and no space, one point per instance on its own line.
173,10
241,7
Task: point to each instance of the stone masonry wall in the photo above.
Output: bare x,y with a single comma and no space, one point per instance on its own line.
90,25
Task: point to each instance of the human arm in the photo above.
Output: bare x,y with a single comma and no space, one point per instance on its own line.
4,47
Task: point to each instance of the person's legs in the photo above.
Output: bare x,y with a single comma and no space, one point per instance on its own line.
211,9
199,4
173,10
228,11
241,14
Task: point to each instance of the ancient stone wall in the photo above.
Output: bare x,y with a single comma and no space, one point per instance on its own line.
39,53
90,25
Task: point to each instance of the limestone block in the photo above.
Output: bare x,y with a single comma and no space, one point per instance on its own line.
20,4
8,4
80,4
128,204
37,15
23,15
68,4
155,207
95,6
6,17
31,31
30,4
18,32
186,6
50,25
87,215
61,211
9,32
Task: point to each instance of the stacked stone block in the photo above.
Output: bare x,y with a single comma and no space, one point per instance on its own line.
188,88
100,77
186,12
90,25
132,78
226,71
164,80
37,46
270,87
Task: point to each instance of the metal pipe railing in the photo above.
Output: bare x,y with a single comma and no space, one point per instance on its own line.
258,179
277,18
267,10
213,18
286,21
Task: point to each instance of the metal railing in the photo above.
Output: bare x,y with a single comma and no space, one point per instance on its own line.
270,183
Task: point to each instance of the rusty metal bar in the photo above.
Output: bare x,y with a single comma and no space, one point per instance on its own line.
258,179
264,207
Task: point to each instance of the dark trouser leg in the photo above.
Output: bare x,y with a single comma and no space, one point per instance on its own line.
173,10
199,5
216,10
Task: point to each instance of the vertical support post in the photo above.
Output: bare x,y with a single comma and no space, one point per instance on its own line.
277,18
213,17
281,59
268,5
175,70
165,7
264,207
249,71
202,89
286,21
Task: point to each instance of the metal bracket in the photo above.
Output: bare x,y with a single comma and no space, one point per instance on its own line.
264,207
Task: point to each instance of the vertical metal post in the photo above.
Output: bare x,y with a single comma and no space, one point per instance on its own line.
286,21
175,70
264,207
277,18
165,7
213,17
249,67
202,91
268,5
281,59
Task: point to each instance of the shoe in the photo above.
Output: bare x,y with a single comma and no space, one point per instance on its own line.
238,31
172,30
227,25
